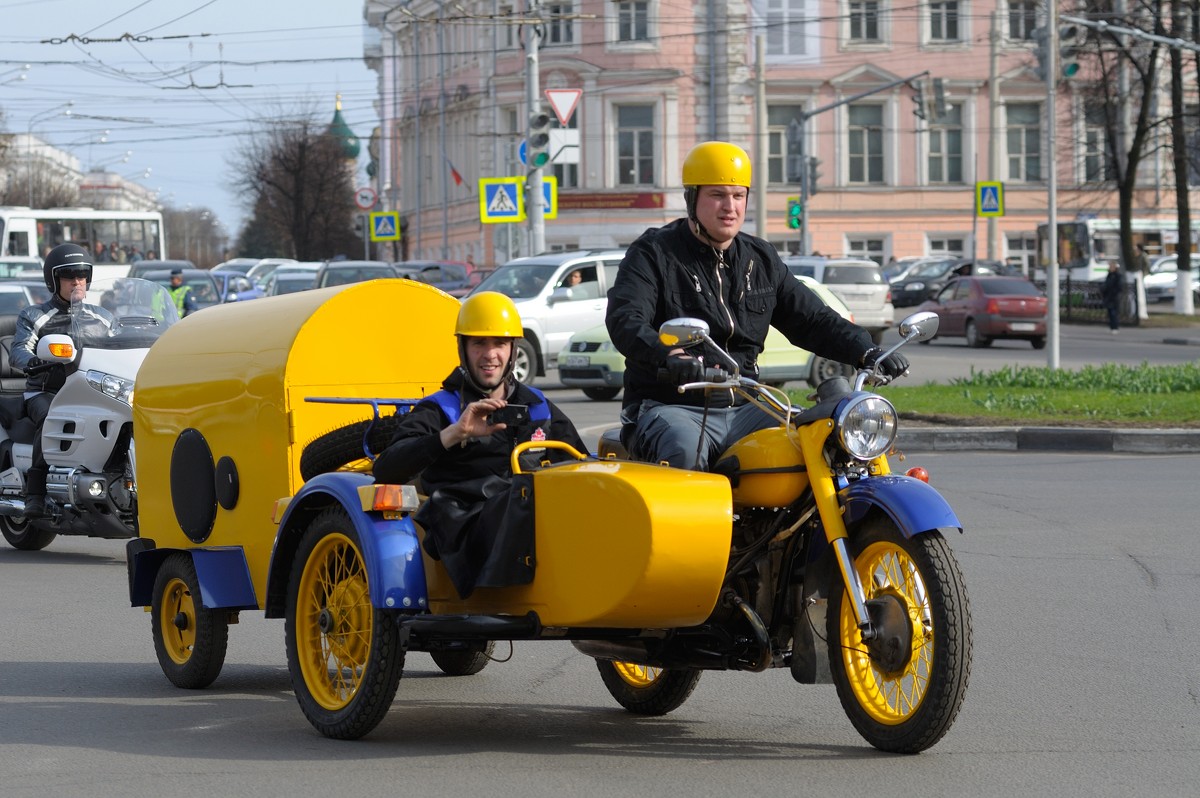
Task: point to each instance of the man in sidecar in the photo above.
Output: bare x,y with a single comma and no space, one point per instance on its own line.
68,274
460,442
704,267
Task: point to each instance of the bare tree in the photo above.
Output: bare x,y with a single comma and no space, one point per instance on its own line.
301,188
1179,159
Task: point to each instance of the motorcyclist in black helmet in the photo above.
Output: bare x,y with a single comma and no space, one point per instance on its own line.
68,274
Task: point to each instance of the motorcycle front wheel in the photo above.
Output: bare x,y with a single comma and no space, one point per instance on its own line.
23,536
644,690
189,640
902,690
344,655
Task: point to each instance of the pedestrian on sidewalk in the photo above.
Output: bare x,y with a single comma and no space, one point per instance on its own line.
1114,287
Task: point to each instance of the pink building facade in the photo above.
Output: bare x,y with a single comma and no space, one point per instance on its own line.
657,78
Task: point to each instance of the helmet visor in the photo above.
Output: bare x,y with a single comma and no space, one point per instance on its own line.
74,272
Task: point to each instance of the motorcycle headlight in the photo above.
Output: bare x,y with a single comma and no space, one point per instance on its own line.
866,426
118,388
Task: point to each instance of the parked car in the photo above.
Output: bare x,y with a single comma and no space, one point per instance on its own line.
235,286
925,281
204,286
291,277
343,272
12,267
262,269
16,295
447,275
1160,284
551,310
143,267
591,362
857,282
240,265
984,308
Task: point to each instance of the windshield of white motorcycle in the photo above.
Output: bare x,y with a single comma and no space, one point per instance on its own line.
122,313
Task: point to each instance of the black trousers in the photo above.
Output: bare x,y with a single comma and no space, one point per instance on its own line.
37,407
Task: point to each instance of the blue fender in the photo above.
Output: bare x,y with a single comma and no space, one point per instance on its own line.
222,572
390,547
912,505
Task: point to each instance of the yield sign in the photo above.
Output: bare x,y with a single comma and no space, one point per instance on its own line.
564,102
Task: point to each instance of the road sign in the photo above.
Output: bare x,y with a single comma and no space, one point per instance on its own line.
501,200
564,146
550,197
385,226
989,199
563,101
365,198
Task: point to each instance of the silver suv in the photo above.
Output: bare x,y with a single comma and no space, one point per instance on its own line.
554,304
857,282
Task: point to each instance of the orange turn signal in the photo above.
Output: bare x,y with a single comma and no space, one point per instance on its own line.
916,472
65,350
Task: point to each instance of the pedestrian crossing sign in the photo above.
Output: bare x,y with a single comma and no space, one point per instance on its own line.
501,200
385,226
989,199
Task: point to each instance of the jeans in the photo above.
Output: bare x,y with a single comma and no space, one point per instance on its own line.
672,433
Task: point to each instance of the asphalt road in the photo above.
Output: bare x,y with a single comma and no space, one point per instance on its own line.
1083,577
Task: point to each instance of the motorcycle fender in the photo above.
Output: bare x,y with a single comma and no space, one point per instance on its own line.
223,573
912,505
390,546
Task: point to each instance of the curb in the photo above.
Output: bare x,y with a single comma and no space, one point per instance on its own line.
1049,439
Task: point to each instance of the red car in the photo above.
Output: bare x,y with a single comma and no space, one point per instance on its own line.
982,309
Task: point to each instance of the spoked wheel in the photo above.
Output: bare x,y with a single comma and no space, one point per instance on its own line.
344,655
189,639
23,536
902,690
644,690
466,661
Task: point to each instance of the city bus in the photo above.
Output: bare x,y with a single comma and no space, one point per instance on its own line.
29,232
1087,246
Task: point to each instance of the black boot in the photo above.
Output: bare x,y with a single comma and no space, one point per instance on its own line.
35,507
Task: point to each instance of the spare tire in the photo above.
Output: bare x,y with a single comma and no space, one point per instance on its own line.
336,448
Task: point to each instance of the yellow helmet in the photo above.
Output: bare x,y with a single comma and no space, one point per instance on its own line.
716,163
488,314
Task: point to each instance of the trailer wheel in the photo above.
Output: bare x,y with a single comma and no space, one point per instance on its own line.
189,639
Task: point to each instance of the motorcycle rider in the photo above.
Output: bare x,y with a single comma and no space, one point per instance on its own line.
705,267
68,274
462,453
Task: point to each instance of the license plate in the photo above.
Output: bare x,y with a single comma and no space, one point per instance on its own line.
576,360
1023,326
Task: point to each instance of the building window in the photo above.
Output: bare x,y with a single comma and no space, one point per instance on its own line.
783,154
1022,251
864,20
507,32
946,147
943,21
635,145
949,247
784,25
870,248
633,21
1023,137
1097,165
560,28
567,173
1022,20
865,144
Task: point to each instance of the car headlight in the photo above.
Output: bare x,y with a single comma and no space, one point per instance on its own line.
606,346
866,426
915,286
118,388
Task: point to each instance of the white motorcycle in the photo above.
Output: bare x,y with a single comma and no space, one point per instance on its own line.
87,438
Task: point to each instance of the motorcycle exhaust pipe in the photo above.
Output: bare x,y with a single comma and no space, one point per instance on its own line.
12,507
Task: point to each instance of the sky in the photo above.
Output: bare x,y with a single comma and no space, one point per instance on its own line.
182,84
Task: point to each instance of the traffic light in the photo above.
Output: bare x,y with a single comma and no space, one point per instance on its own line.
1070,37
537,143
814,175
939,98
1041,39
919,99
795,212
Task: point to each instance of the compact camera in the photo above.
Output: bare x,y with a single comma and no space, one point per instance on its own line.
510,415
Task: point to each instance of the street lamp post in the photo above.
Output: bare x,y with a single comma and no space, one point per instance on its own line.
64,109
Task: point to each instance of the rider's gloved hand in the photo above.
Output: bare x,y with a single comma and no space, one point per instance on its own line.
684,368
33,364
893,365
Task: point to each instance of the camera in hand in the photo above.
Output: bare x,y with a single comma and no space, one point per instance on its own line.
510,415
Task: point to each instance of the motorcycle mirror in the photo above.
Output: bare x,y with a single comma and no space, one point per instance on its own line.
682,331
920,326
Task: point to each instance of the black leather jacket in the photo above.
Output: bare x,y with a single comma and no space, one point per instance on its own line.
668,272
49,318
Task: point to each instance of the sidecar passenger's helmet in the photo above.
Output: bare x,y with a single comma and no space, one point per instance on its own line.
63,260
713,163
488,314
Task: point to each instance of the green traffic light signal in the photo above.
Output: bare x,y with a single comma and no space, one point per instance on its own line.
795,213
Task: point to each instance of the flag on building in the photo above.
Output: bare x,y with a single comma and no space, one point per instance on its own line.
454,174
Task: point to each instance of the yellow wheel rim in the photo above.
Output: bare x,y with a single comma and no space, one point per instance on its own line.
892,697
333,621
637,675
177,621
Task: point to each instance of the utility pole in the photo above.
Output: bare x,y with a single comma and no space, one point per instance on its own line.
761,134
1052,327
533,102
994,125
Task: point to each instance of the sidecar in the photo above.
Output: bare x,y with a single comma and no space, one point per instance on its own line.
221,418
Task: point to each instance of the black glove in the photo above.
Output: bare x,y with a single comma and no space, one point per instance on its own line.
33,365
684,368
892,366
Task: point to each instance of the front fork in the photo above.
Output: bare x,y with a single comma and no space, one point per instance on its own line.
824,488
